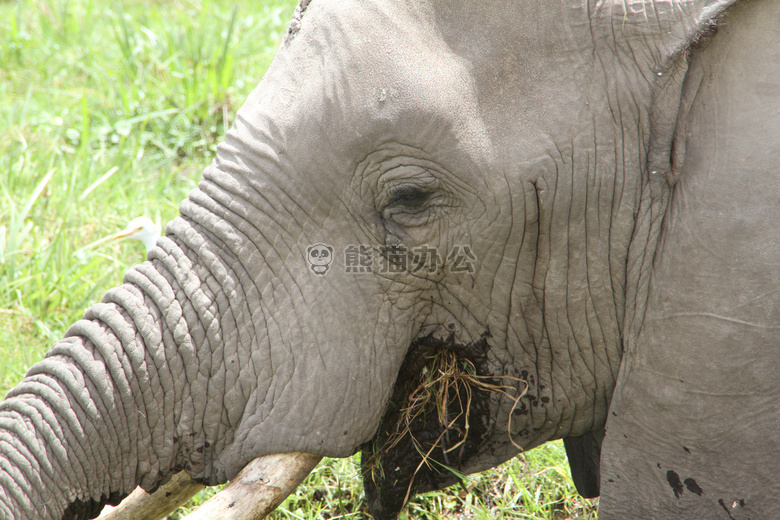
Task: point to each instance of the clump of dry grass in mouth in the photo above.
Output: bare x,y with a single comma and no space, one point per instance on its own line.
446,383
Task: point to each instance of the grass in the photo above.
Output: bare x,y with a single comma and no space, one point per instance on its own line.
110,110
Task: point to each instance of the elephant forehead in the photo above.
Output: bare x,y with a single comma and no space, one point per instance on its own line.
370,73
378,70
451,72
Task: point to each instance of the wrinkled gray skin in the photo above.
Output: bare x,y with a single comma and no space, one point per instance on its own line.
617,186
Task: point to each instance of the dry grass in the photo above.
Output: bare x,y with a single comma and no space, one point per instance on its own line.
446,385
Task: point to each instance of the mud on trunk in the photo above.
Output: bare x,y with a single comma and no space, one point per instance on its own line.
437,419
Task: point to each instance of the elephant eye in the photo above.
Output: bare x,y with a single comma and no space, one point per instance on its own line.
408,197
412,205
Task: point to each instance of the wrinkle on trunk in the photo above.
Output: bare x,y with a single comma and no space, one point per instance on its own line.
136,390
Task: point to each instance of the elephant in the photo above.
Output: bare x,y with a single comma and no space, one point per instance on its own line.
560,212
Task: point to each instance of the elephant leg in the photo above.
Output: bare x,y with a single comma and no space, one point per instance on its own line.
584,453
692,428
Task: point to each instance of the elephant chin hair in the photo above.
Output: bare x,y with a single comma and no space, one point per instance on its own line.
392,462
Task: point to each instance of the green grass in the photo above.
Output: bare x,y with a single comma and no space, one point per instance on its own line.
110,110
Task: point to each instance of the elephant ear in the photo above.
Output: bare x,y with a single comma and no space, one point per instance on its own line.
692,422
659,36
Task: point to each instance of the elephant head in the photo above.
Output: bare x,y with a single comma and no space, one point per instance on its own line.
489,181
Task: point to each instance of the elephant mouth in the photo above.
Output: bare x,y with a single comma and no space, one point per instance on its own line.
437,419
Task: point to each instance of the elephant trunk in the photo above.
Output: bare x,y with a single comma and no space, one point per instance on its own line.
153,380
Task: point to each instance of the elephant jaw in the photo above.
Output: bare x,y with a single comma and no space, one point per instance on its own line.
437,419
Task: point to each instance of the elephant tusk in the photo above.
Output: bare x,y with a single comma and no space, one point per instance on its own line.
259,488
141,505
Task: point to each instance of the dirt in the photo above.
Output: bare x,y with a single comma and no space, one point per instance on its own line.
421,441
